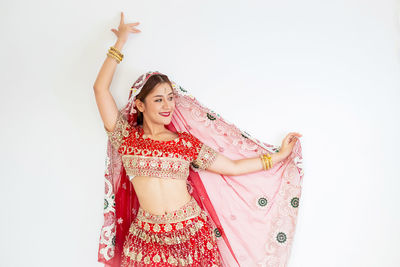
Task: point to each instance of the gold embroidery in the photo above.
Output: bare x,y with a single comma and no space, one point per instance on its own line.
156,228
199,224
121,130
156,258
126,250
162,167
192,230
167,227
204,215
163,257
187,143
205,157
147,237
179,226
172,260
188,211
139,256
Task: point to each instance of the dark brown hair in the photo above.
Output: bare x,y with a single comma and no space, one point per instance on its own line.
150,84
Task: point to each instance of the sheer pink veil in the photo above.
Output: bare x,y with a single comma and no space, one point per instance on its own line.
253,215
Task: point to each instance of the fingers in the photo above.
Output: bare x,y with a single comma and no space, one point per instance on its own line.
135,30
295,134
292,137
134,24
122,17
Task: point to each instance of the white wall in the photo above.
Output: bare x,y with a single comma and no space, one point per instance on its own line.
327,69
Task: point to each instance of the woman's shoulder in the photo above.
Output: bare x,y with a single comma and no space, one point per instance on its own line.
188,137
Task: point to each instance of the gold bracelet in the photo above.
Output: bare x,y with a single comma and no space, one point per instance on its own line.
115,53
114,56
267,160
263,162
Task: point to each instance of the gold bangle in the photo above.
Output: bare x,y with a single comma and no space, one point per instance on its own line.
265,162
117,51
115,57
268,160
114,53
262,161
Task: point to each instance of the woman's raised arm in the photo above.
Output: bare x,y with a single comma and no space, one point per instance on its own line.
105,101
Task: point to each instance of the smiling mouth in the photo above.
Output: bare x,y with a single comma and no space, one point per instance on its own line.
165,114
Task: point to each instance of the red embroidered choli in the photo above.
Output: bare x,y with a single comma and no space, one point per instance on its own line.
143,156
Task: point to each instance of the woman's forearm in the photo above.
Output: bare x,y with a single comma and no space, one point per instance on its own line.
249,165
106,73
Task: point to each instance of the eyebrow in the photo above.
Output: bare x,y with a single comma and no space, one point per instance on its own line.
161,95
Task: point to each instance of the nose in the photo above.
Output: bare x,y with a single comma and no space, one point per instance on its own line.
167,105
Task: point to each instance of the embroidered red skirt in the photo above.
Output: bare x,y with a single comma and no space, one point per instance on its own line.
183,237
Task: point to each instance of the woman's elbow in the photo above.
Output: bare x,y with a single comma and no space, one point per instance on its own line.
224,166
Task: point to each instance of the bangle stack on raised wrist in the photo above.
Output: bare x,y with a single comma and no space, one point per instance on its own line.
115,53
266,161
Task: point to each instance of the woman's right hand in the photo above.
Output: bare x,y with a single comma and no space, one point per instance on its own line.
288,144
124,29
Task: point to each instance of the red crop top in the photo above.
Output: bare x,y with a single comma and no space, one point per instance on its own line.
143,156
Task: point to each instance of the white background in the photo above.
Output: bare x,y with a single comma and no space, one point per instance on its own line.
326,69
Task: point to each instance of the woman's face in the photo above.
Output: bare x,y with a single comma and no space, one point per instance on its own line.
159,105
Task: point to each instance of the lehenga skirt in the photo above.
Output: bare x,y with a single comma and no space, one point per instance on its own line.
183,237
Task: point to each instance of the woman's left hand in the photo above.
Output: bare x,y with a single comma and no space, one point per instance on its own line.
288,143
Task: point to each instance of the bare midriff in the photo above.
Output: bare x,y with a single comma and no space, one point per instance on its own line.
158,195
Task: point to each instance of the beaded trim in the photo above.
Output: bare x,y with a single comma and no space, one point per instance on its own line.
161,167
121,130
190,227
189,210
205,157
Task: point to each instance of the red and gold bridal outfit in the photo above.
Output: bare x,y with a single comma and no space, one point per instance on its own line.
183,237
253,214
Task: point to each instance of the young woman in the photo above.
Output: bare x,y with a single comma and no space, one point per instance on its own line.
186,188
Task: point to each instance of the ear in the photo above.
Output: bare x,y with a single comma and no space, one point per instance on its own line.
139,104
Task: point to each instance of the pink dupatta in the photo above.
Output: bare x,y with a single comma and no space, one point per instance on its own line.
253,215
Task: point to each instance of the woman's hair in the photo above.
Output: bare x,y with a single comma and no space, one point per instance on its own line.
150,84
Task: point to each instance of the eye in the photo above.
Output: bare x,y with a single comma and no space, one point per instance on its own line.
157,100
171,98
